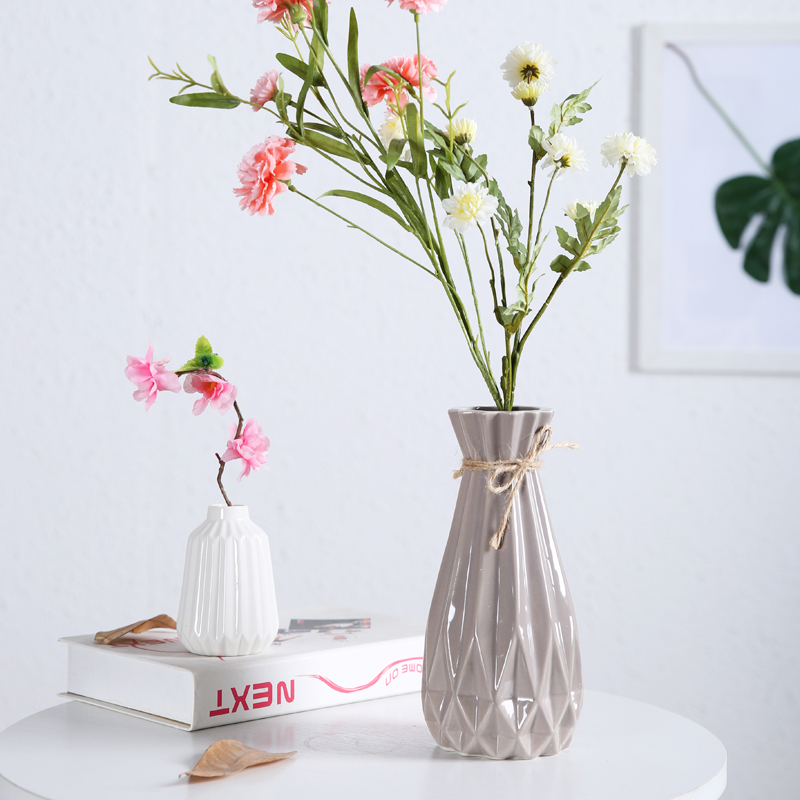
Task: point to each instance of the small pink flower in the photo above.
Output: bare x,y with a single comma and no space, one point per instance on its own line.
265,89
384,86
421,6
263,171
275,10
150,377
213,391
252,447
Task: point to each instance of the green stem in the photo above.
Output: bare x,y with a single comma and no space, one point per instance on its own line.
532,184
359,228
564,275
544,207
464,252
719,109
491,272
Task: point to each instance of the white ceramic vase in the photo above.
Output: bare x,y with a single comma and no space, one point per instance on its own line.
228,605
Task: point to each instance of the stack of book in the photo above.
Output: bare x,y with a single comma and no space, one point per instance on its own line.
318,660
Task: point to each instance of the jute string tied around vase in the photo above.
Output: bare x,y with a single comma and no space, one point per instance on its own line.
515,470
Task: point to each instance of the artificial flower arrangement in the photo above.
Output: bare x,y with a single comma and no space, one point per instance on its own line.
246,440
422,169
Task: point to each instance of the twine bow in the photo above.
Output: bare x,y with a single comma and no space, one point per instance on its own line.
515,470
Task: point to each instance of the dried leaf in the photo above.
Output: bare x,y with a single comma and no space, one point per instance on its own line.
228,756
161,621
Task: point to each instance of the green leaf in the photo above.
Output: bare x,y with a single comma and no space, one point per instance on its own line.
369,201
216,78
791,255
415,141
323,128
297,67
204,100
786,163
776,199
736,202
562,263
204,357
510,317
567,242
759,250
386,70
396,147
453,170
328,145
535,139
320,19
353,67
442,181
568,113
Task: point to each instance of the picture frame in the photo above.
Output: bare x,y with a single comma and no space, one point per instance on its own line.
695,308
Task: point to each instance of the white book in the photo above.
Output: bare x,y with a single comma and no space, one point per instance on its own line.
318,660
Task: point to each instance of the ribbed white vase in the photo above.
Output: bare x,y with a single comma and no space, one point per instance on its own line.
228,605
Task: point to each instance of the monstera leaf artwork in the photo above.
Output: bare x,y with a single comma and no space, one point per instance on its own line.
774,199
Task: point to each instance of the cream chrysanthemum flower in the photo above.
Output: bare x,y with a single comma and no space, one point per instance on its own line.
564,154
463,131
468,206
571,210
392,129
528,63
638,156
529,93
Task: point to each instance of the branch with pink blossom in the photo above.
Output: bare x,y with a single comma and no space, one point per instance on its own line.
246,440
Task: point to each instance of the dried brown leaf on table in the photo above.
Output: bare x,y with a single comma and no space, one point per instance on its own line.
161,621
228,756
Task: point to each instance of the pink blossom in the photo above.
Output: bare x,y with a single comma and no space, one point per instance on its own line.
214,391
275,10
420,6
263,171
252,447
383,86
150,377
265,89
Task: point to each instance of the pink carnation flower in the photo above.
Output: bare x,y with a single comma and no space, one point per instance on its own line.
421,6
265,89
384,86
252,447
263,171
275,10
213,391
150,377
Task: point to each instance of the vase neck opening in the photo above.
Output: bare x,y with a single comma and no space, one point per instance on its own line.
487,434
220,511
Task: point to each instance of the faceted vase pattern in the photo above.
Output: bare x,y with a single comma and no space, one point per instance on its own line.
502,668
228,605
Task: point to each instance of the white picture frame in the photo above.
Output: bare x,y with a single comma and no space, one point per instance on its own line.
671,293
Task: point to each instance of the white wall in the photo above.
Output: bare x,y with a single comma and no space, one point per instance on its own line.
677,519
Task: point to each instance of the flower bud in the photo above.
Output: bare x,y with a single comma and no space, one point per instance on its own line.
463,131
529,93
297,14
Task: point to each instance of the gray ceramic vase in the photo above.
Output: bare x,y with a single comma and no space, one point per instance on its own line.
502,669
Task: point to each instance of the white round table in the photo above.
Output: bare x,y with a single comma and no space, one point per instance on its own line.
622,750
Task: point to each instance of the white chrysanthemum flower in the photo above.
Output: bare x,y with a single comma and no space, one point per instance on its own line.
529,93
392,129
571,210
528,63
638,155
469,205
564,154
463,131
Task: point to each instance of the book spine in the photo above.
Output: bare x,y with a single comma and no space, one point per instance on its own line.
249,692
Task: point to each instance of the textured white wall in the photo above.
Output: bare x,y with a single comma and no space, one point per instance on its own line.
677,520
